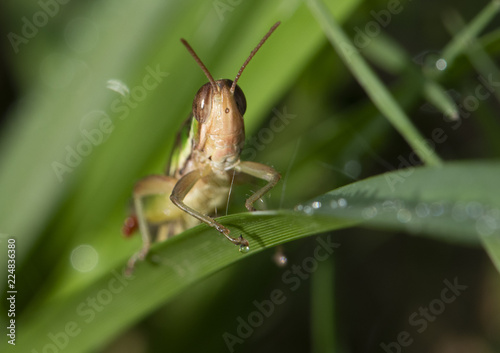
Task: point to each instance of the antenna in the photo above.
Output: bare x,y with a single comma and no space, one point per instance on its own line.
200,63
262,41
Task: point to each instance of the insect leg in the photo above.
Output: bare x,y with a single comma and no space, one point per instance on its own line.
182,188
151,185
260,171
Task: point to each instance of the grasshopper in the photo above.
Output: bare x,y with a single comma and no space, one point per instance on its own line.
201,168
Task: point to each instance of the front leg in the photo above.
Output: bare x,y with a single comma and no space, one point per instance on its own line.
181,189
260,171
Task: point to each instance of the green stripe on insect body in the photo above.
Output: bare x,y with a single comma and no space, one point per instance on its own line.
183,147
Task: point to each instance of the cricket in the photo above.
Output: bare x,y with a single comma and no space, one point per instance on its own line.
203,165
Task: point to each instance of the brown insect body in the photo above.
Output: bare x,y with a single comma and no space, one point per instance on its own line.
201,169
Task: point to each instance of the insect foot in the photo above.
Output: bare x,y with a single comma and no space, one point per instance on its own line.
244,246
242,242
129,270
249,207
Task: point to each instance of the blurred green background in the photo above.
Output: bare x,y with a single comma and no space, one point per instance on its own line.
117,67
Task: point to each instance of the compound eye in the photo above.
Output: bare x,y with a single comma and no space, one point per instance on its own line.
202,103
240,99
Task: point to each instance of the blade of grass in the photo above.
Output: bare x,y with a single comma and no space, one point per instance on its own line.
488,71
420,201
435,94
380,96
109,304
461,41
474,51
391,57
323,328
403,200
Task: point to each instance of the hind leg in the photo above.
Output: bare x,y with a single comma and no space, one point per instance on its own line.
155,189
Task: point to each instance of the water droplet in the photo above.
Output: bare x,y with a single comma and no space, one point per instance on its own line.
281,260
118,86
316,205
244,249
84,258
486,225
495,213
404,215
441,64
299,208
342,203
474,209
437,209
422,210
369,212
388,206
334,204
308,209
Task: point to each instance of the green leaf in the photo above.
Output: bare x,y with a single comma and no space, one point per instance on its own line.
417,200
181,261
462,40
458,203
378,93
323,328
